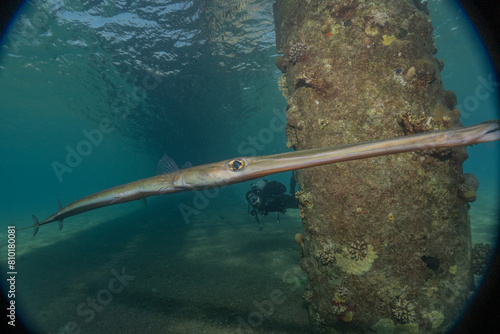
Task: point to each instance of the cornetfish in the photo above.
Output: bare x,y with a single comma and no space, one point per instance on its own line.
223,173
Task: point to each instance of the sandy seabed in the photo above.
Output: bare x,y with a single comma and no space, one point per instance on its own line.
128,270
144,274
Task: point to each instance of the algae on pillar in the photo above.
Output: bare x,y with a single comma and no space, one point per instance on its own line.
386,241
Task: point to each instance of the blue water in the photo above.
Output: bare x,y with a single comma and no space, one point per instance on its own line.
94,93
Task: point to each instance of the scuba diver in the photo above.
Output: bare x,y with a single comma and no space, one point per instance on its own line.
269,196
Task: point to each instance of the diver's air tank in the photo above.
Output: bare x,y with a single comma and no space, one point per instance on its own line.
386,241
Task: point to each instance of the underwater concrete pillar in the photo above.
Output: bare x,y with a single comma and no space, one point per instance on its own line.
386,241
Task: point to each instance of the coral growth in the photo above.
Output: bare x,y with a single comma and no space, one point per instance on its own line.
425,70
305,198
440,117
283,86
467,193
319,323
306,79
308,296
299,240
410,74
281,63
326,256
404,311
311,78
379,17
471,180
296,52
359,266
326,29
450,99
339,308
358,250
452,270
438,153
413,124
387,40
344,10
342,292
454,116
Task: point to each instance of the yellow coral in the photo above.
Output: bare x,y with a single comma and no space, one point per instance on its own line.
347,317
299,240
410,74
283,86
337,299
371,31
453,270
388,39
359,266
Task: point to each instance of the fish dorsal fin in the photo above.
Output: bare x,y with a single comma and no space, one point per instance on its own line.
166,165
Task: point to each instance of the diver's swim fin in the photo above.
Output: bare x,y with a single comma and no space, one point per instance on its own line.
36,225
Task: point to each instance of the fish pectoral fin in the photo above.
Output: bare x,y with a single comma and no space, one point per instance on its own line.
60,224
144,202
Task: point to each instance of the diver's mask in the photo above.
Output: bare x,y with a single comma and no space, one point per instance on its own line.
253,198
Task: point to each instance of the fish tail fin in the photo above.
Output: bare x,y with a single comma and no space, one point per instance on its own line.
60,221
35,226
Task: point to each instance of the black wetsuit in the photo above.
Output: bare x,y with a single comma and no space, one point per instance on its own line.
273,199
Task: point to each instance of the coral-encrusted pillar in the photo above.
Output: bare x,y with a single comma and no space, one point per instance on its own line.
386,241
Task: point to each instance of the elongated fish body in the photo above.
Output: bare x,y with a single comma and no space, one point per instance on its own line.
241,169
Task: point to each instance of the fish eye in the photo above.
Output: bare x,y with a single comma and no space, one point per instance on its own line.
236,164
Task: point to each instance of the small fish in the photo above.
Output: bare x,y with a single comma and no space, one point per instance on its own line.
223,173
